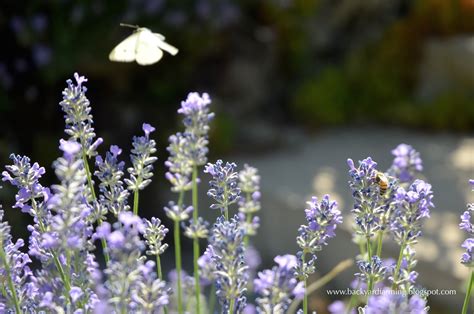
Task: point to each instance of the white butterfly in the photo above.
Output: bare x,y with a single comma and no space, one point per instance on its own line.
142,46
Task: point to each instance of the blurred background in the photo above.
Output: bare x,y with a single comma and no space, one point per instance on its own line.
298,86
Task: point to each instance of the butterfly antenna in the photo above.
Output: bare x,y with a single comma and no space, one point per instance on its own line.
129,25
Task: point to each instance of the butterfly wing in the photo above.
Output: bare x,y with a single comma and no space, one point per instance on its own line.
147,51
164,45
126,50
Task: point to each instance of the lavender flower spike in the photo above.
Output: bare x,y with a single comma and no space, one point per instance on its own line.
466,225
78,118
224,186
276,287
322,218
196,114
412,207
468,257
395,303
142,159
407,163
226,245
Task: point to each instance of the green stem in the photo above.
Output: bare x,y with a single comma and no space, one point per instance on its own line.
196,250
177,250
399,264
212,299
369,256
246,237
226,213
135,202
305,298
11,286
158,267
231,307
379,242
94,197
467,299
160,275
339,268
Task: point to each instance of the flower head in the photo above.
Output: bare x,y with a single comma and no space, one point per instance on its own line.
224,186
142,160
322,219
196,113
249,184
468,256
412,207
154,235
226,247
372,193
406,164
78,118
276,287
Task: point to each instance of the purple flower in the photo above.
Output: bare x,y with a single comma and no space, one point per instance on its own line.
226,243
142,160
468,257
224,186
395,303
322,219
178,213
196,113
114,196
412,207
25,176
69,148
147,128
407,163
371,203
154,235
78,118
276,287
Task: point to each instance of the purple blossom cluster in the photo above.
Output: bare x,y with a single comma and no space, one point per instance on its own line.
466,225
412,207
277,287
72,217
407,163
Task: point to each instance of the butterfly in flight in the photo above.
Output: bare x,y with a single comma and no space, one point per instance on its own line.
143,46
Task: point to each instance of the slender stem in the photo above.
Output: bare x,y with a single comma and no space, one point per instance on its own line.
196,250
399,264
467,299
177,250
88,174
160,275
339,268
231,307
212,299
369,254
379,242
246,237
94,197
135,202
226,213
11,286
305,298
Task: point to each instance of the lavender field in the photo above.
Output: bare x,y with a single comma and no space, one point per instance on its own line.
237,157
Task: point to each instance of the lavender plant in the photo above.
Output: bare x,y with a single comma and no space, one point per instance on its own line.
322,219
69,217
468,257
277,286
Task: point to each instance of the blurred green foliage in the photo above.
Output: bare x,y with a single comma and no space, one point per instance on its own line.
377,82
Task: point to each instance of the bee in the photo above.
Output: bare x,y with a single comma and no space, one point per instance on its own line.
382,181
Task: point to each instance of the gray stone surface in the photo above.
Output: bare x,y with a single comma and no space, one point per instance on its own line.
317,165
